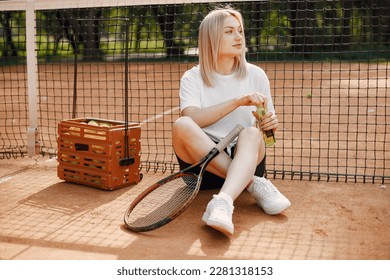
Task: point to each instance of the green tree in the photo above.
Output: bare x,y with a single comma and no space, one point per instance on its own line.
10,48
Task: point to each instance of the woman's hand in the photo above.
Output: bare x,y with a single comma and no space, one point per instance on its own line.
253,99
267,122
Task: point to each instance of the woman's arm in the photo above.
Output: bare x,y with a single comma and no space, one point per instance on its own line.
207,116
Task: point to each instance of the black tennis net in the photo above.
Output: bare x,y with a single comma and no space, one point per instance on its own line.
327,61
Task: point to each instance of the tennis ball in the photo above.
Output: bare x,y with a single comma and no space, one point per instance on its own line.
105,124
93,122
74,131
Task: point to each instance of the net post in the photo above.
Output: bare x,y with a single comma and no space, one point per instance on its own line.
32,80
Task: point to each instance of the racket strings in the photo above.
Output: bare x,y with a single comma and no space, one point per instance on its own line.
163,202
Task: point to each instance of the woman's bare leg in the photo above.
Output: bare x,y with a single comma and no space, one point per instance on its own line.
250,150
191,144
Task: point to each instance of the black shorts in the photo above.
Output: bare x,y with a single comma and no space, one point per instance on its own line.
212,181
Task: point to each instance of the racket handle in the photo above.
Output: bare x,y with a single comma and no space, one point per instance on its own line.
229,138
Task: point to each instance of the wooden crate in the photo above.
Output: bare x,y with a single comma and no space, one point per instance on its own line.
94,155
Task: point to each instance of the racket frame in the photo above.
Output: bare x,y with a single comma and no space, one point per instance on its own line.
186,171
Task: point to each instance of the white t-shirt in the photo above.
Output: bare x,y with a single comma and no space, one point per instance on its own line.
193,92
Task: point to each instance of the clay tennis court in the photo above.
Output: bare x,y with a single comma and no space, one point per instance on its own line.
43,217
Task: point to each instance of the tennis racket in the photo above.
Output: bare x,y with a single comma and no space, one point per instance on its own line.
168,198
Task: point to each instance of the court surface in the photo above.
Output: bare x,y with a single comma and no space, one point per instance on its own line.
43,217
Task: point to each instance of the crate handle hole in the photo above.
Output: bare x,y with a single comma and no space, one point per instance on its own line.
81,147
126,161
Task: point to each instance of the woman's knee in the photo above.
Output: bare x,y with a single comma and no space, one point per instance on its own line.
183,123
253,138
251,134
184,127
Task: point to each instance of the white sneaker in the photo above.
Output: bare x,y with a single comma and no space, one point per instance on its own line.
218,215
268,197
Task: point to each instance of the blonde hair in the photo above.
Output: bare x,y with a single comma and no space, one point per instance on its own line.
210,39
